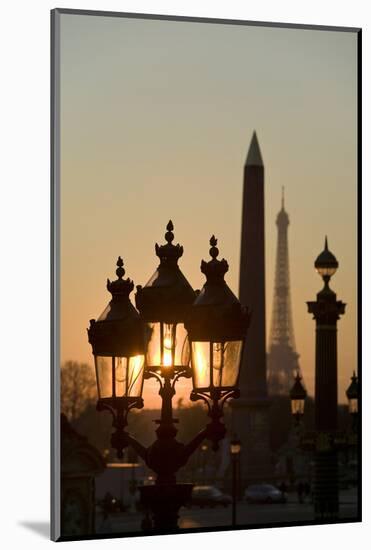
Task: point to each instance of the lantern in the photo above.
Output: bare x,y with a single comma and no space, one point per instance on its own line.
235,446
217,326
117,340
326,263
352,395
298,395
163,304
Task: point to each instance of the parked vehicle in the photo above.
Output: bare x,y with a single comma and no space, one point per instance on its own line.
207,495
264,493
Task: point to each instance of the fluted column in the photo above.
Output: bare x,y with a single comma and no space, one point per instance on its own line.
326,311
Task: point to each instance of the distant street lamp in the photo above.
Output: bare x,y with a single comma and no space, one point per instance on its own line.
235,450
298,395
174,327
352,395
204,449
326,311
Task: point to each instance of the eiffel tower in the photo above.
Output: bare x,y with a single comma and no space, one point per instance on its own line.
282,356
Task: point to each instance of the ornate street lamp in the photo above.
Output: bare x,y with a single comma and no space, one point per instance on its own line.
235,447
235,450
128,347
326,311
117,339
352,395
163,304
204,449
217,325
298,395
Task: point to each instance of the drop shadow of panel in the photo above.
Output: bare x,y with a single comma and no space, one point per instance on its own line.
42,528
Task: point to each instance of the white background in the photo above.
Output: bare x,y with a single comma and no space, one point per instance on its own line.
24,267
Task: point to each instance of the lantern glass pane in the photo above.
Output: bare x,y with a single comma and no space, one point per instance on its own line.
353,406
103,368
119,376
135,376
120,364
153,345
167,345
182,352
326,271
226,363
201,364
297,406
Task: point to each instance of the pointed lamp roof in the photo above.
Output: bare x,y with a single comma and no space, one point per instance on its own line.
326,260
254,157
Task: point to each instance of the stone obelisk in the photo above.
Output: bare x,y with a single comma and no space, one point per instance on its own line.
250,412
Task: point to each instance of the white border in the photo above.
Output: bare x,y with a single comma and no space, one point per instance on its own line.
24,284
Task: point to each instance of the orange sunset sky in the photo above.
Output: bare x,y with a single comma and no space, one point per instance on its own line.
156,119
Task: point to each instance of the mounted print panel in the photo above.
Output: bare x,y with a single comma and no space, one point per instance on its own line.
205,368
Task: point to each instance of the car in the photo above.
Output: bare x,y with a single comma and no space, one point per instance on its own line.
208,495
264,493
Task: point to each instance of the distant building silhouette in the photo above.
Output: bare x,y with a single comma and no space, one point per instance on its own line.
80,463
250,412
282,356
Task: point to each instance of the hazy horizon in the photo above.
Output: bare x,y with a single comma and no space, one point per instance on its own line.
156,121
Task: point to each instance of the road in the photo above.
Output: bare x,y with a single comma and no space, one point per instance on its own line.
247,514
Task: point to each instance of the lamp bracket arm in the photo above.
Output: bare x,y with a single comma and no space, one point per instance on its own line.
235,394
197,396
151,374
186,373
105,407
137,446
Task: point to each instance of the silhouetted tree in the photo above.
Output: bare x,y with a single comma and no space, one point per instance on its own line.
78,388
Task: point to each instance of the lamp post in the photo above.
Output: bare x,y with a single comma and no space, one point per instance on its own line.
130,346
352,395
163,304
204,448
298,395
326,311
235,450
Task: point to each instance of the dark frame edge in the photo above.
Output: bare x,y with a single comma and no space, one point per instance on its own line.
213,20
55,493
359,259
138,534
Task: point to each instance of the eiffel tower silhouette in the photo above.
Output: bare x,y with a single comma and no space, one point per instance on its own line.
282,359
